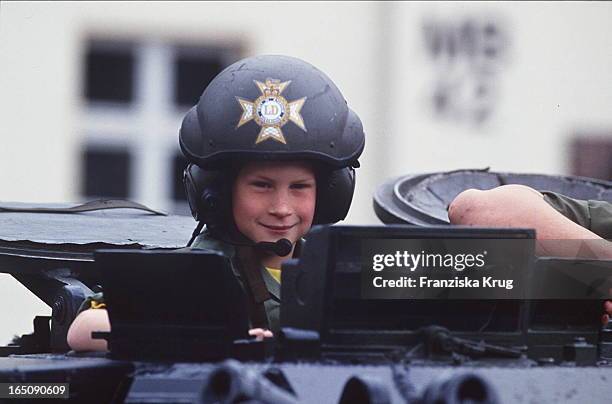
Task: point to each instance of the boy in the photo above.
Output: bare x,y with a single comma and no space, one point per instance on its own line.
273,147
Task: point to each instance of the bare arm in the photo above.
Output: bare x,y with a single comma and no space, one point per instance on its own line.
520,206
79,333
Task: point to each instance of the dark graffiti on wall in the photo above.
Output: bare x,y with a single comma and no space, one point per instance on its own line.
468,56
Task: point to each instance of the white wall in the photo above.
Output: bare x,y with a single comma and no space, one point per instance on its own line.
555,80
42,43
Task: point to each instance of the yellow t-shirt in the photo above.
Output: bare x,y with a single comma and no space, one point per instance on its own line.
276,273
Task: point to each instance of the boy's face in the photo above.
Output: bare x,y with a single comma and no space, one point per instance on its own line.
274,200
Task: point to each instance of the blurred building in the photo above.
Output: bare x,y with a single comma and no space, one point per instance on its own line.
92,93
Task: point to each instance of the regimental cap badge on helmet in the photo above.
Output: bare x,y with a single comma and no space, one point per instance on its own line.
271,110
271,107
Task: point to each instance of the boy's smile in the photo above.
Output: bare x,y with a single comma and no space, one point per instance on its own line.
274,200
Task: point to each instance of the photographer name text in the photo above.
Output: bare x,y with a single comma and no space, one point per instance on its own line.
403,261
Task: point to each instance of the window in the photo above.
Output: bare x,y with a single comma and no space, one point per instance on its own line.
109,75
592,157
136,95
106,173
192,74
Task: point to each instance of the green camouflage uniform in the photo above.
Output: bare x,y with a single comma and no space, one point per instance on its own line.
271,305
593,215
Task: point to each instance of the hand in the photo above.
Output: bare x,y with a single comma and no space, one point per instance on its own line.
608,312
260,333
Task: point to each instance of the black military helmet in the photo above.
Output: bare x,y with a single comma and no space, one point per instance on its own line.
270,108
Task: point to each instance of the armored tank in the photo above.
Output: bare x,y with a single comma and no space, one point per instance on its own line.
178,339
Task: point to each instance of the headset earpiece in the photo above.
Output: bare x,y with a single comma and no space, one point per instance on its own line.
193,195
207,192
334,195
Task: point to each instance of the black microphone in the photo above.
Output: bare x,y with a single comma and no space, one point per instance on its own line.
281,247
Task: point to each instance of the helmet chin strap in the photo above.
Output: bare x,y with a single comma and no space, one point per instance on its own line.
195,233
